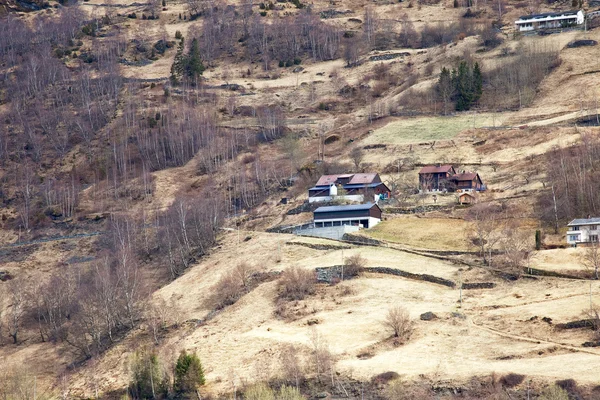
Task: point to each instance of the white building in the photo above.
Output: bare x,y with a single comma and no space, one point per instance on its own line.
556,20
583,230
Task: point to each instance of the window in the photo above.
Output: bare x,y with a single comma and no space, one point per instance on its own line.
573,238
593,227
594,238
574,228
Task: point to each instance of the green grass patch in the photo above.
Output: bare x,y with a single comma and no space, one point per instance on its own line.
426,129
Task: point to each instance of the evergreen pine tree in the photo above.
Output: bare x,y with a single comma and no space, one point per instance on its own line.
463,87
193,63
178,64
445,87
477,83
189,373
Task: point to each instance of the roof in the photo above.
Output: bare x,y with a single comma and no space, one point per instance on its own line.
432,169
356,179
546,15
362,178
468,176
320,188
466,194
362,185
327,180
584,221
351,207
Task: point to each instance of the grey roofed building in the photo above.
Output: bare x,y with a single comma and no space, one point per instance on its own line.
584,221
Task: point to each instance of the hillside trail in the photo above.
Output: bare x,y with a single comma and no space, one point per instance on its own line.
472,323
561,118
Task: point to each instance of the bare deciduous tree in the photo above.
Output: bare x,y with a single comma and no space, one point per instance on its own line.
291,365
591,258
16,311
323,359
357,155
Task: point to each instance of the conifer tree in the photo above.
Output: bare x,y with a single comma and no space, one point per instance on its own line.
194,66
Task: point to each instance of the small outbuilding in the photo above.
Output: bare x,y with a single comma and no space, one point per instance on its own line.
466,198
364,215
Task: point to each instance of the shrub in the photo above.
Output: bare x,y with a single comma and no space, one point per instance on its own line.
385,377
189,373
490,38
289,393
259,391
296,283
226,291
511,380
353,265
398,319
554,393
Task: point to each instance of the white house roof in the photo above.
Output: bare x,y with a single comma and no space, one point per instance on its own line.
526,19
585,221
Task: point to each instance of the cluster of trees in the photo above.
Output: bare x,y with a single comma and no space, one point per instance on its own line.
285,39
502,242
151,378
571,185
514,83
91,308
463,86
190,65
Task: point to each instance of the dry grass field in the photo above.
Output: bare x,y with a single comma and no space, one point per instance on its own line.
511,328
493,331
424,233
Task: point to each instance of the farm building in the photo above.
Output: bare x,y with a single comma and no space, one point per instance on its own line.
366,215
583,230
443,178
467,182
556,20
466,198
434,178
351,187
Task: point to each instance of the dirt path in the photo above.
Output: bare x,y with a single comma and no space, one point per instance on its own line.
472,323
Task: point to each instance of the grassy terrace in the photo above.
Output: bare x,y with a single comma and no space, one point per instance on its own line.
423,129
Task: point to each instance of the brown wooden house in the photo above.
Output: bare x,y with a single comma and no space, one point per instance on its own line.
467,181
433,178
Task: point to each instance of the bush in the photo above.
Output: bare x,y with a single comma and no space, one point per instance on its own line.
398,319
511,380
259,391
554,393
385,377
178,35
490,38
189,373
226,291
297,283
353,265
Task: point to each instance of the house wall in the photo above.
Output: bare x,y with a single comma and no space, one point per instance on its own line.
338,215
584,234
366,222
356,197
